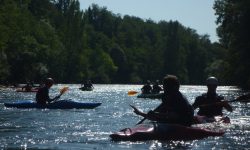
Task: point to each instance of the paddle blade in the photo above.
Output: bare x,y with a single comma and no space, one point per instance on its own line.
64,89
131,93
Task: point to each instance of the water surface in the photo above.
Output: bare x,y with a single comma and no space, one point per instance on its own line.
90,128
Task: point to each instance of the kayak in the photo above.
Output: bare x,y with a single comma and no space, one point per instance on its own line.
61,104
32,90
160,131
86,88
203,119
151,96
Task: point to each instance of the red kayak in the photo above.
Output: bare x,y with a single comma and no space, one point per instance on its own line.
203,119
163,132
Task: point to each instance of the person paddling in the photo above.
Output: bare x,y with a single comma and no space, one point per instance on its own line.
27,87
156,87
174,107
146,89
42,95
210,104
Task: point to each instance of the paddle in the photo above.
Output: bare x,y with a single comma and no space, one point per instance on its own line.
239,99
141,121
62,91
131,92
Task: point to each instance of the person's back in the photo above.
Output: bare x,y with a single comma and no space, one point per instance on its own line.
146,89
156,88
177,107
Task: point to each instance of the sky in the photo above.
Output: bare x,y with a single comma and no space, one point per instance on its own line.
196,14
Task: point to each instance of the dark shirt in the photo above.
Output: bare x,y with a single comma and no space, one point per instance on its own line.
42,96
179,105
209,110
146,89
156,89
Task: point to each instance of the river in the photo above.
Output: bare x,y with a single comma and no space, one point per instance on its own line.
90,128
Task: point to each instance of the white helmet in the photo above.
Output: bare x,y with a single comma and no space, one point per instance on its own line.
212,80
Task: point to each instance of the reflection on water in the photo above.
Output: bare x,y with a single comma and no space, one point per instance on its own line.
90,129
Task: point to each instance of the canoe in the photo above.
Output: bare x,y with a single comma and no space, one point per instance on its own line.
61,104
203,119
86,88
160,131
32,90
151,96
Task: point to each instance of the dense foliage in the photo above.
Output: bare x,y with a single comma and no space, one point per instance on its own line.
40,38
234,30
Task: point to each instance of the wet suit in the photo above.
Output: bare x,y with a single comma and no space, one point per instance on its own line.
175,109
209,110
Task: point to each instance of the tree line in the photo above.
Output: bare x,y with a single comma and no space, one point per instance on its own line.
56,38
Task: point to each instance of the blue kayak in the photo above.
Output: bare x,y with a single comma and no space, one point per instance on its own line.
61,104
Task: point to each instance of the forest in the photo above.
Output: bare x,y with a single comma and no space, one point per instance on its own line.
55,38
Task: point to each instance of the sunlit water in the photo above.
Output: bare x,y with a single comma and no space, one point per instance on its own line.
90,128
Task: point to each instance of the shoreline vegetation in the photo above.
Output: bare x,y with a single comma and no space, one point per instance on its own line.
56,39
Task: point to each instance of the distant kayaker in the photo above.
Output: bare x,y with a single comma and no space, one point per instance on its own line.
210,104
27,87
87,84
174,107
42,95
156,87
146,89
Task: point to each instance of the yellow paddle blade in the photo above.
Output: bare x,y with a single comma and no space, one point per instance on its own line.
131,93
64,89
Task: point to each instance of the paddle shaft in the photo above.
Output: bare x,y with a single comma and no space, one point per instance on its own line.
146,118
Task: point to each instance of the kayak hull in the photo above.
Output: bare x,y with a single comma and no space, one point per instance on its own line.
163,132
151,96
62,104
86,88
32,90
203,119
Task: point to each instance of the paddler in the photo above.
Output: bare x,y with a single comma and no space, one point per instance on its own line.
42,95
210,104
174,107
146,89
156,87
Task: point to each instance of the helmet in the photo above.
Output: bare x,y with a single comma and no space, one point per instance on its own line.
49,81
212,80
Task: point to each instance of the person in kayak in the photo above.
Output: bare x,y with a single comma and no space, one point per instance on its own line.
156,87
42,95
174,107
27,87
146,89
210,104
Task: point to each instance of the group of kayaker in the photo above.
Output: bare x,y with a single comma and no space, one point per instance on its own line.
87,85
148,89
176,109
